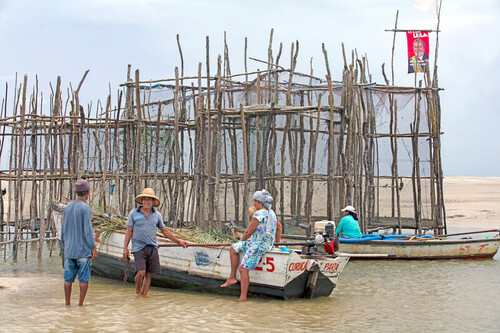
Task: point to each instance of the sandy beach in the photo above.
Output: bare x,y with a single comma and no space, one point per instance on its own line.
472,202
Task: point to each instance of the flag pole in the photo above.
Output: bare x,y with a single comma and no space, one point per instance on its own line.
434,75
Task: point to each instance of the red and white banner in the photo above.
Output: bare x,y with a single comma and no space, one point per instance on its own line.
418,50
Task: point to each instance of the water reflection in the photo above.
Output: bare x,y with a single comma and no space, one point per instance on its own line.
454,295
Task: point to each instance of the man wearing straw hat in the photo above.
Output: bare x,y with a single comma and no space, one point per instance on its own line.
77,238
141,228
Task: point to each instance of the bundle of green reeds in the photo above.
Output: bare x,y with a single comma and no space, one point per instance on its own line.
105,225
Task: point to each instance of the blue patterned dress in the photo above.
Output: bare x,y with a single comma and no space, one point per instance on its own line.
261,241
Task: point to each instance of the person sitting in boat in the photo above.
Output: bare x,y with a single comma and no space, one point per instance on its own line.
141,228
279,229
348,226
263,230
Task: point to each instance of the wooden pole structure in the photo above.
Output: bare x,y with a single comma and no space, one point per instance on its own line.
191,151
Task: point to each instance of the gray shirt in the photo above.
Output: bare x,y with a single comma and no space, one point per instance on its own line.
144,228
77,235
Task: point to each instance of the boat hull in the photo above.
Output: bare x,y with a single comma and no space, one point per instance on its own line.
110,267
279,274
285,275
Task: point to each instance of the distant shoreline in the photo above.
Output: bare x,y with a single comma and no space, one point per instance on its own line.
472,202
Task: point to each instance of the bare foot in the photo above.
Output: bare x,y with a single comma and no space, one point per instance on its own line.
242,299
80,304
229,282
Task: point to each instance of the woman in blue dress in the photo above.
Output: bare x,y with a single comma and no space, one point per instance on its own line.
259,238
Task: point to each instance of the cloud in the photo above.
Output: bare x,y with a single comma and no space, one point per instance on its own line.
7,77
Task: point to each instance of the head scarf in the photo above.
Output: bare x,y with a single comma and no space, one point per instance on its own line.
264,198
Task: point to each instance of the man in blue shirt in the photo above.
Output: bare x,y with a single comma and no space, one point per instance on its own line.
77,238
141,228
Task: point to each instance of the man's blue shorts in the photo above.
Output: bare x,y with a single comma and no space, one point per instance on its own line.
74,267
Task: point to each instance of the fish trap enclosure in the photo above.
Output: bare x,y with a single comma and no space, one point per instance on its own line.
206,142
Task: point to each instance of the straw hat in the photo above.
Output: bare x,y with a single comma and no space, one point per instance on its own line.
148,193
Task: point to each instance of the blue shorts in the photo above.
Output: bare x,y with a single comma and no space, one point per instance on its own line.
74,267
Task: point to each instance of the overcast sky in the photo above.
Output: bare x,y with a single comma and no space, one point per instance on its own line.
61,37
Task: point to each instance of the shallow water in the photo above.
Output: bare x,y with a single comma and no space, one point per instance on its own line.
417,296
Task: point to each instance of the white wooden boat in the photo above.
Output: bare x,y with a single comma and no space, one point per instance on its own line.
405,247
285,275
423,248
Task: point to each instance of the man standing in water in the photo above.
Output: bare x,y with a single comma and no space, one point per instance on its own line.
141,228
78,241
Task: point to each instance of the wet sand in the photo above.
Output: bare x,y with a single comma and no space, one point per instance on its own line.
472,202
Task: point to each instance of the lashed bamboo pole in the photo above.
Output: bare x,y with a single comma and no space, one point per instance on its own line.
218,144
174,214
79,112
138,136
416,167
264,147
118,185
282,163
434,134
245,164
192,164
41,215
310,181
20,167
232,134
331,204
200,156
34,162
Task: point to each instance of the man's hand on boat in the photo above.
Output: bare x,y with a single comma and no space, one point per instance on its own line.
172,237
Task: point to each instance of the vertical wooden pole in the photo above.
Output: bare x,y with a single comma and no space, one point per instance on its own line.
312,164
245,164
118,187
127,194
264,147
79,111
106,154
20,167
138,136
331,195
200,151
218,145
174,217
282,163
416,165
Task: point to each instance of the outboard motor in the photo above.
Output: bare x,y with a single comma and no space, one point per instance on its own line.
324,232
